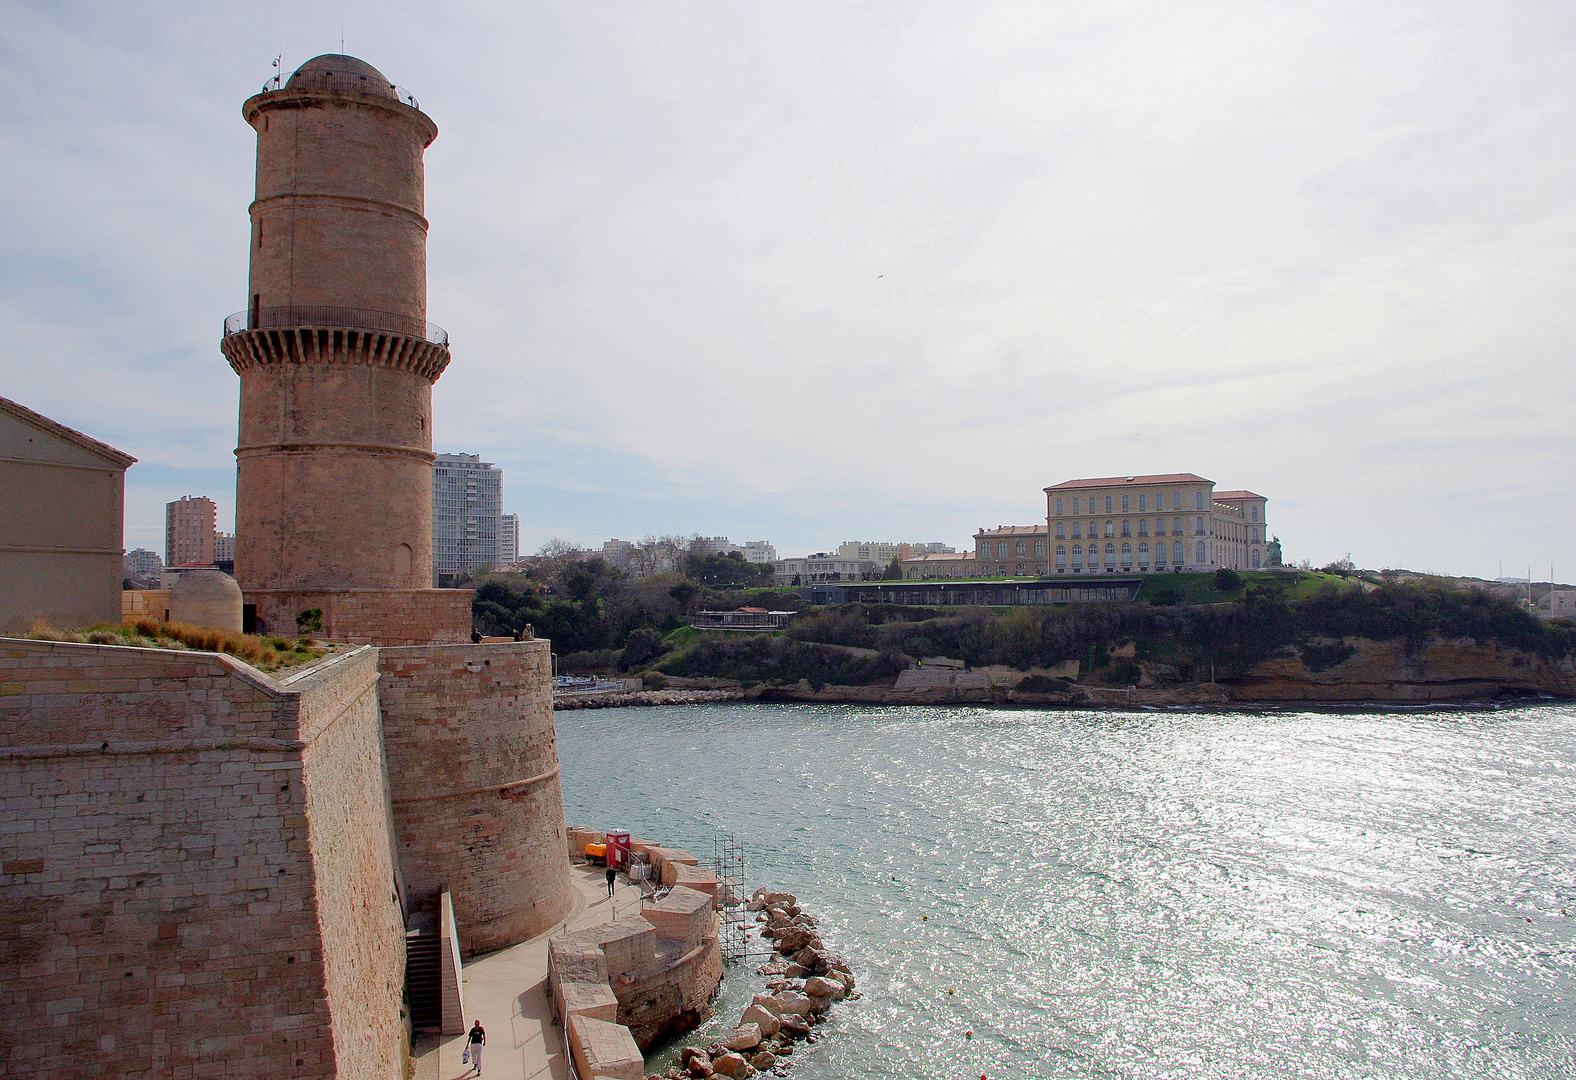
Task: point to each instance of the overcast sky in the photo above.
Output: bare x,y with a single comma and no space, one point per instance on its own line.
816,272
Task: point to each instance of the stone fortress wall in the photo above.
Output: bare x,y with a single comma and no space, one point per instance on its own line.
370,616
191,874
473,775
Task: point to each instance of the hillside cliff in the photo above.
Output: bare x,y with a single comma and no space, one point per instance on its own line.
1455,669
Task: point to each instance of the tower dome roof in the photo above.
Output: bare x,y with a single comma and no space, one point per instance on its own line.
333,71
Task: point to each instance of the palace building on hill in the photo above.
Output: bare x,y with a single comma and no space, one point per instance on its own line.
1151,524
1163,523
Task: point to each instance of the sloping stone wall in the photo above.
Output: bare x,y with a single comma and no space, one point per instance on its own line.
195,874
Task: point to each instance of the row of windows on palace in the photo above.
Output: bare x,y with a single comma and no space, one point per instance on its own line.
1143,503
1248,533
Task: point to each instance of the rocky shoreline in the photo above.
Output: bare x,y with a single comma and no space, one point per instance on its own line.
619,699
1376,674
804,983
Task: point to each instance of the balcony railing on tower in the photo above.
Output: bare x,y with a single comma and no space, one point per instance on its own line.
328,80
339,318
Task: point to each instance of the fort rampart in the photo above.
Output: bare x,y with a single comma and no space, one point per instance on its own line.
473,774
197,868
371,616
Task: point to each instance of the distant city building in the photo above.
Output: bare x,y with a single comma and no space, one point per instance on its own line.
1558,604
467,512
825,566
142,565
760,552
508,539
941,564
884,552
190,532
715,545
224,547
618,552
1142,524
61,500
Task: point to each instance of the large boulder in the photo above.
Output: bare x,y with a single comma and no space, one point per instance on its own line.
835,961
819,987
731,1064
790,939
797,1004
744,1037
795,1025
763,1018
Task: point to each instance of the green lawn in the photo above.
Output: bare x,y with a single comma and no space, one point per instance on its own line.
1200,588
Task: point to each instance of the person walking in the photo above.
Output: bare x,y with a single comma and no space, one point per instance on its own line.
612,876
473,1046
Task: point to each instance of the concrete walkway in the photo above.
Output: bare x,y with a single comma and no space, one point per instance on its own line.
507,992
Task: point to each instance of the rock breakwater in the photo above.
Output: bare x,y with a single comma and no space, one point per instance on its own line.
618,699
803,982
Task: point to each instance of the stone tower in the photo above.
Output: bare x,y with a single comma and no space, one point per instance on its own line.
337,362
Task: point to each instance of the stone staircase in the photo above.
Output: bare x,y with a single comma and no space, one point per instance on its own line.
424,980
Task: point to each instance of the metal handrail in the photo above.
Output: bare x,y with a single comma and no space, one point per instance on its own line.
348,318
322,80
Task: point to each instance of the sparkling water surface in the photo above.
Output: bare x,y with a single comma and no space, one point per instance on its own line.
1137,895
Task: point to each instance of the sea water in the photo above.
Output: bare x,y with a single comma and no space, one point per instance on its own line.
1059,894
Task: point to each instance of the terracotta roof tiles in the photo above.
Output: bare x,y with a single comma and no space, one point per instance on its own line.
1123,481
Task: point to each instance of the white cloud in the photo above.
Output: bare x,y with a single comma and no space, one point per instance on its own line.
876,270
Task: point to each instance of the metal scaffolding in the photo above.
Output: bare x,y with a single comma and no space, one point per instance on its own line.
727,864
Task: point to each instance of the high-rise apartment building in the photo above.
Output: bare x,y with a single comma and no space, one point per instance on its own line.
467,505
508,539
190,531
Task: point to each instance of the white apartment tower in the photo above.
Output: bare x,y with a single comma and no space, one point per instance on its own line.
467,513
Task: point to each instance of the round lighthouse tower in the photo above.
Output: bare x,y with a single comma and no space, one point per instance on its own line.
337,362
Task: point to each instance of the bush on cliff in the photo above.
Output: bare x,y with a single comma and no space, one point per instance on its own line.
757,658
1231,637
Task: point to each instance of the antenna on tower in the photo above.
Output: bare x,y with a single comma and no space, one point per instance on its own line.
278,71
341,40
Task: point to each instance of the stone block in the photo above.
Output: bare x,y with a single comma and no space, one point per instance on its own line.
683,915
593,1000
604,1049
